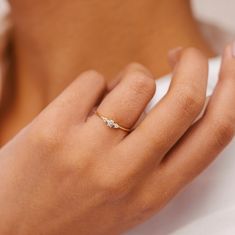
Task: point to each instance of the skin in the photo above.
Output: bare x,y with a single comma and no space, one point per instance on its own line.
67,173
76,176
49,55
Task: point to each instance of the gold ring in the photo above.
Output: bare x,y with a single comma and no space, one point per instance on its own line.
111,123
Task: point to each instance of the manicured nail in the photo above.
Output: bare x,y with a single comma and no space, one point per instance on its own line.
233,49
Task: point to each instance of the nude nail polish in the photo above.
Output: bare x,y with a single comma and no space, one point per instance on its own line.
233,49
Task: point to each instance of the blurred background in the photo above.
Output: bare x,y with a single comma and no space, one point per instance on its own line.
218,12
216,16
217,21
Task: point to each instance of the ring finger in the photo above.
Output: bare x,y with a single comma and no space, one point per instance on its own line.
125,103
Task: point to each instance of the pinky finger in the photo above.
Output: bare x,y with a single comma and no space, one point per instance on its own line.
210,135
202,142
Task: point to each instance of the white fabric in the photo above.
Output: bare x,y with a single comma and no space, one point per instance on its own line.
207,205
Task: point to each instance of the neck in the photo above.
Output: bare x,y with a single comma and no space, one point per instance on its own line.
54,41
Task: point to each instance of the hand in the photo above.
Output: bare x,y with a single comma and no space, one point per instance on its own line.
68,173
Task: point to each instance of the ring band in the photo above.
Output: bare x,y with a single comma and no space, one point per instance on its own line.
111,123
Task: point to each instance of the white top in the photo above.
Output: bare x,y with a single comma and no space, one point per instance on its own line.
207,206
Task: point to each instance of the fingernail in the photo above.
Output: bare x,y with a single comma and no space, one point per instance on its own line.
139,67
233,49
175,50
174,56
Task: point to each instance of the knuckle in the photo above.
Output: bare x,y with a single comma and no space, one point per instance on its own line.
148,206
192,51
45,135
92,73
135,66
223,132
96,78
112,187
190,101
140,83
227,72
144,208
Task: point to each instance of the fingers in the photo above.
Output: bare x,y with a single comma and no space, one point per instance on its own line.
75,103
170,119
212,133
204,141
174,56
125,103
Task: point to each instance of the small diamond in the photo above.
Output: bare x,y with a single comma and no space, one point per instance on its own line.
110,123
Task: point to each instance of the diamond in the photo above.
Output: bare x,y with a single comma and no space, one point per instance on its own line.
110,123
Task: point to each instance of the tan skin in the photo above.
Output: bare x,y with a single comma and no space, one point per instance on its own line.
48,60
66,172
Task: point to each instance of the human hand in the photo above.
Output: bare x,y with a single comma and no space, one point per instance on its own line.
68,173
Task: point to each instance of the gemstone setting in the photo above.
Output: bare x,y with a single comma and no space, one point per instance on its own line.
110,123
